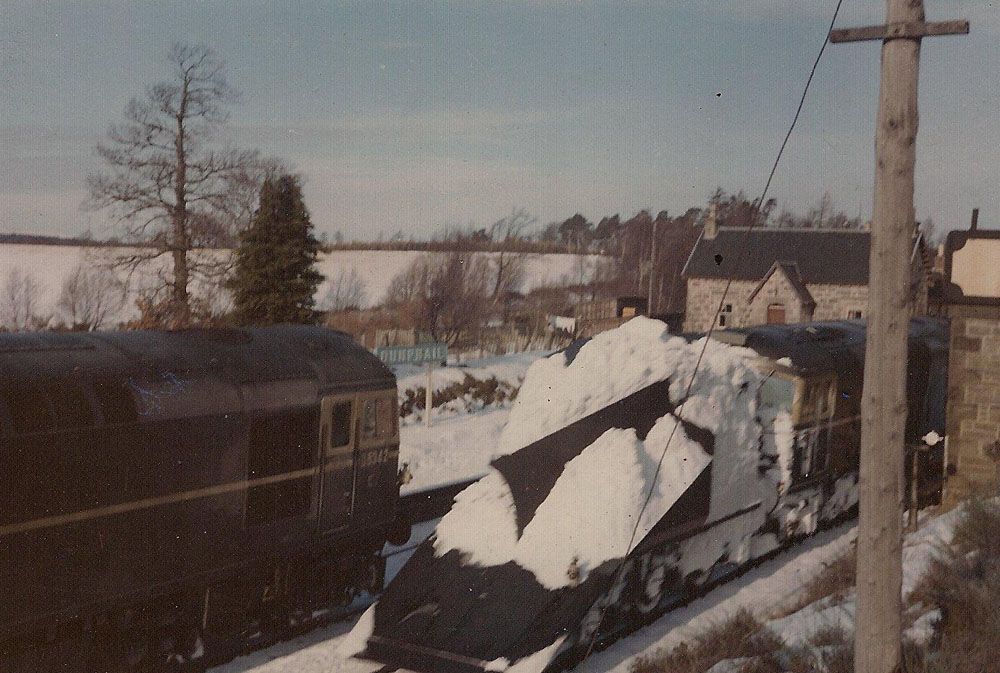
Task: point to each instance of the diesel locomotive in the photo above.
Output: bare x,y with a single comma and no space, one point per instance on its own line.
164,496
647,466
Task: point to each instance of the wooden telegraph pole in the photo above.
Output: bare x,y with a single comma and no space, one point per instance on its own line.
652,268
877,643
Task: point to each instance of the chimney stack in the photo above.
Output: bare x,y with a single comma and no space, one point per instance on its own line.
975,219
712,222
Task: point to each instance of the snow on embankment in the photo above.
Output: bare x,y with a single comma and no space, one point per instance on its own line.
919,548
595,504
451,450
466,428
490,383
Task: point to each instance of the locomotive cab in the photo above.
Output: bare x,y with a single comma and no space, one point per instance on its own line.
359,439
797,418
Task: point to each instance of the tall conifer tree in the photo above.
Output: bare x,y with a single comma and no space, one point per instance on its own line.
274,277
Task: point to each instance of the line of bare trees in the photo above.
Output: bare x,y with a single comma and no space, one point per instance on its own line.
450,295
90,298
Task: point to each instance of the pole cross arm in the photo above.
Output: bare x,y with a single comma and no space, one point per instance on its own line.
903,30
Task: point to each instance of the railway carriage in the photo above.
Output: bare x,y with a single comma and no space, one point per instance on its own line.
166,495
760,449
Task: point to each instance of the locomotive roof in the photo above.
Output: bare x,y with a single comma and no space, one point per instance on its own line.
827,345
281,352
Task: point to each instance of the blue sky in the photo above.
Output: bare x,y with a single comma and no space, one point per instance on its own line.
409,116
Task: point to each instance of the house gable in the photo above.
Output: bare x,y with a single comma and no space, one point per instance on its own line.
780,297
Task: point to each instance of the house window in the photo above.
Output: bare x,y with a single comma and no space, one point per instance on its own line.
854,315
725,314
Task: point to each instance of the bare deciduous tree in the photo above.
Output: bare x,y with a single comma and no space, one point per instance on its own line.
346,291
410,284
509,260
445,295
89,297
174,186
457,296
19,300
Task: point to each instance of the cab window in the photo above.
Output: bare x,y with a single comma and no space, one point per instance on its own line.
340,424
777,393
386,418
379,419
369,416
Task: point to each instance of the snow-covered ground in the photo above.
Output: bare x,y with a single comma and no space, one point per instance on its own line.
511,367
453,449
52,264
458,445
766,590
377,268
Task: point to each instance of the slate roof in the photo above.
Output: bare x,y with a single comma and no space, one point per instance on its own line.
835,257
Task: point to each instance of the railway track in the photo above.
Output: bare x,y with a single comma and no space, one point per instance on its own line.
608,636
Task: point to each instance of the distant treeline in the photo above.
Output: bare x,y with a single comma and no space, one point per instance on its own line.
38,239
457,245
452,245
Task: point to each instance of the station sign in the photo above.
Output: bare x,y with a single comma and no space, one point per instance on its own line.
419,354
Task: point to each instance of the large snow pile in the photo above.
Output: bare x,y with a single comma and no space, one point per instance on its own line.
619,362
575,524
598,501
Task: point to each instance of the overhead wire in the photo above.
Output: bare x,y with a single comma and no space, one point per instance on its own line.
754,214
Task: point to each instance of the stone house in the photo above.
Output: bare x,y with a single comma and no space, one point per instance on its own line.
972,303
784,276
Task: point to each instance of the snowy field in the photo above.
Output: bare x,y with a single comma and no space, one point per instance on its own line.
51,264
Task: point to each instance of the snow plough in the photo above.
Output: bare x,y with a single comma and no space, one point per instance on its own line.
635,468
